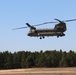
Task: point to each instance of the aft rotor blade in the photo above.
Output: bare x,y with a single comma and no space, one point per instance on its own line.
19,28
69,20
44,23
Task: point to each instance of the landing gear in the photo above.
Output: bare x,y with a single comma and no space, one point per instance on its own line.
62,34
42,37
57,36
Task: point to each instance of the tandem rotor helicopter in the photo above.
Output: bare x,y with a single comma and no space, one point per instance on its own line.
58,30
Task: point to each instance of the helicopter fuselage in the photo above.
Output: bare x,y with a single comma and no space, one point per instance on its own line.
45,32
58,30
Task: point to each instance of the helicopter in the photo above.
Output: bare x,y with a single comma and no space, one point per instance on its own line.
58,30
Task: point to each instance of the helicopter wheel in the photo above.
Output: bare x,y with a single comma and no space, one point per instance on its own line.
40,38
57,36
63,34
43,37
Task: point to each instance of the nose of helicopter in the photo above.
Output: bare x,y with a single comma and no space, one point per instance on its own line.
32,34
29,34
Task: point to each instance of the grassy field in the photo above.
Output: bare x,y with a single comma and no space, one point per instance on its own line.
40,71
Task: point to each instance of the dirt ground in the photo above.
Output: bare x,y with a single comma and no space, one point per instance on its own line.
40,71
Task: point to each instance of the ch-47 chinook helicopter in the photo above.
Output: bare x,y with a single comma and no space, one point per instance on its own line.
58,30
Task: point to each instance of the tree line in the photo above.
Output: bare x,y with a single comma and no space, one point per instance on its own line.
27,59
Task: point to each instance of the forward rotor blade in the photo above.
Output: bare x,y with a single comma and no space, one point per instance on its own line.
44,23
19,28
69,20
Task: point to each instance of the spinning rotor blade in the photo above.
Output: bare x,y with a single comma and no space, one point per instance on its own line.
19,28
55,22
69,20
44,23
